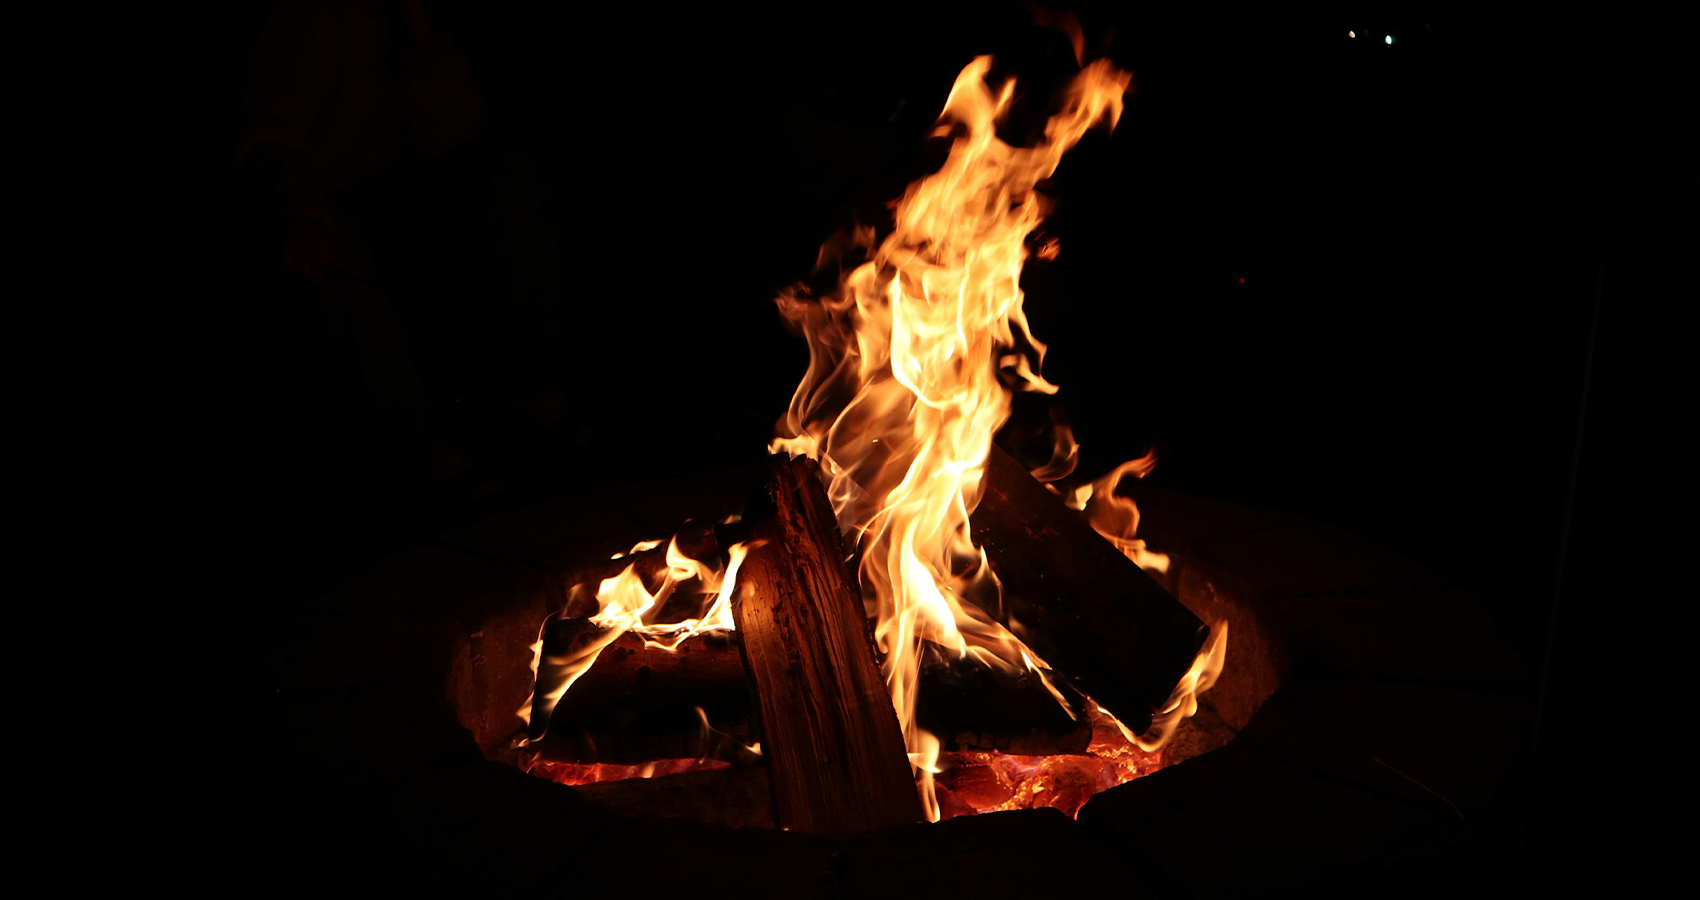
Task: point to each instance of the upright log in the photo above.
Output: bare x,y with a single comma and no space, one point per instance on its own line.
1097,618
836,753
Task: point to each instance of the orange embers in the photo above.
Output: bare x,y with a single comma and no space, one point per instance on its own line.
990,782
591,773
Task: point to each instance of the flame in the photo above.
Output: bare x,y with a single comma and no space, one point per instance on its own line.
912,365
638,547
625,603
1117,517
1183,700
706,738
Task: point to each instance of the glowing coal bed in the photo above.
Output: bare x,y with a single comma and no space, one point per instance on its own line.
974,781
979,782
575,774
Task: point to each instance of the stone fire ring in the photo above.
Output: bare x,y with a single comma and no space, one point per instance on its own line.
1377,723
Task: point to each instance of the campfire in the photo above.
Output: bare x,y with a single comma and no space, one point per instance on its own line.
906,623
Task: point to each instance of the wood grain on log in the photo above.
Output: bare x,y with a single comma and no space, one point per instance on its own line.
1082,605
833,744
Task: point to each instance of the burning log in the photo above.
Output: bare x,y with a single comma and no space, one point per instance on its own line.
640,703
636,704
835,751
969,706
1083,606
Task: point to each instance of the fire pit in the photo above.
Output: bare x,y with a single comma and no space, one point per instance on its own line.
1215,702
660,705
986,648
1371,719
1368,714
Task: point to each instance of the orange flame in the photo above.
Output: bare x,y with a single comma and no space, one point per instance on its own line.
625,603
1117,517
928,339
1183,700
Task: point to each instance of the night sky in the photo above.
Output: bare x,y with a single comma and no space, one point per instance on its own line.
1337,276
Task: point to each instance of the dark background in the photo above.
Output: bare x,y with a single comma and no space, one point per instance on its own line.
1347,279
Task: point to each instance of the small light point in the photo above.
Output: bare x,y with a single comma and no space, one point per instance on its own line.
1351,34
1390,39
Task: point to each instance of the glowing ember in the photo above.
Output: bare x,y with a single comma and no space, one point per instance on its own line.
591,773
991,782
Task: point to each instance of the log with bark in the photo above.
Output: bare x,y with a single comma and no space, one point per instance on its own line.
834,748
1082,605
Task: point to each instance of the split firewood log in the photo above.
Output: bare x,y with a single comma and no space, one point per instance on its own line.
834,748
1084,607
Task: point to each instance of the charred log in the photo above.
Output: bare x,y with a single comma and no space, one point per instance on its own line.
640,703
968,706
834,748
1082,605
637,704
